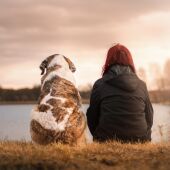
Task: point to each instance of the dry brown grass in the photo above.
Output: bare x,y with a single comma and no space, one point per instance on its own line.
111,155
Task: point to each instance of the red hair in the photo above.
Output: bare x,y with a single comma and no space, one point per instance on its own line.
118,54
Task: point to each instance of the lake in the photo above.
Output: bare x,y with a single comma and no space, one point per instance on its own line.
14,122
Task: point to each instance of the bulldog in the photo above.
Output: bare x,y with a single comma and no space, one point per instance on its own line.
58,116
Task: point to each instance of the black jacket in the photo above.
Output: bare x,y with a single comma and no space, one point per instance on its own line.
120,107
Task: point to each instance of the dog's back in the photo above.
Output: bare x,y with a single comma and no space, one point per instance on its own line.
58,116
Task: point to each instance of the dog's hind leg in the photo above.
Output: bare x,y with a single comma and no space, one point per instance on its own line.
81,141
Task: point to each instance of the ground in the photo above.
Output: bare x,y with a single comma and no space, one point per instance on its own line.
106,156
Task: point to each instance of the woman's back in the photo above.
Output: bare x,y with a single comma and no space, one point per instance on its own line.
122,105
119,106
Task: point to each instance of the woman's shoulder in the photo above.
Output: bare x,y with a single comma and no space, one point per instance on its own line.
98,83
142,83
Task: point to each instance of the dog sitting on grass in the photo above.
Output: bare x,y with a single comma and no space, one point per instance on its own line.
58,117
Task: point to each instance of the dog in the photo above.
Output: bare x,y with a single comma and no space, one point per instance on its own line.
58,116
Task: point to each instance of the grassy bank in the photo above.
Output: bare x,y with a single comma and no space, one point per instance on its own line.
27,156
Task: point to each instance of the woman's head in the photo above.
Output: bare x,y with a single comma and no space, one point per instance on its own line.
118,54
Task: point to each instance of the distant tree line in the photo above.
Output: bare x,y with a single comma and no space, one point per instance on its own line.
32,94
160,96
20,95
28,94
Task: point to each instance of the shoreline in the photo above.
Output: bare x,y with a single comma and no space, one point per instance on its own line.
84,101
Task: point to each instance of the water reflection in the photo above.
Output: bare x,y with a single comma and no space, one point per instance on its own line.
161,125
14,122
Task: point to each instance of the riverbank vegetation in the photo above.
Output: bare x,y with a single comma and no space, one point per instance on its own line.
30,95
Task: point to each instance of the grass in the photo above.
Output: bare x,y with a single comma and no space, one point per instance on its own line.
28,156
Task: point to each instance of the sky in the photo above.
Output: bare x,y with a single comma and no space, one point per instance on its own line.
31,30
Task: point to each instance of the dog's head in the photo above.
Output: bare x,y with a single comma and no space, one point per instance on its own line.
57,60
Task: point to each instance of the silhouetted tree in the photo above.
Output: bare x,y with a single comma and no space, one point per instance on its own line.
142,74
167,74
157,78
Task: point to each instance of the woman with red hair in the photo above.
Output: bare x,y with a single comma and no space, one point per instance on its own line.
120,108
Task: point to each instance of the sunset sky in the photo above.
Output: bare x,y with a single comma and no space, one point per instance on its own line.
83,30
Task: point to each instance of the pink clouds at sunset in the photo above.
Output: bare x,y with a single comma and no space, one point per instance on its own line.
83,31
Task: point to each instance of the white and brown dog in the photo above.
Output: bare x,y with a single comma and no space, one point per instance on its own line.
58,117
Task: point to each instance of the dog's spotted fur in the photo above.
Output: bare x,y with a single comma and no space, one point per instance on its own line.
58,116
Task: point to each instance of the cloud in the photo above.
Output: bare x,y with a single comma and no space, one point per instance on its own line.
31,30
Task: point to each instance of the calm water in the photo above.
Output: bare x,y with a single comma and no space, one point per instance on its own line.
14,122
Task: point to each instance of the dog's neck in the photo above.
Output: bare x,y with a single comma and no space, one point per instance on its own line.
58,67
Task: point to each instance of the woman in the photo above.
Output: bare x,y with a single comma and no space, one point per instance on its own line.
120,108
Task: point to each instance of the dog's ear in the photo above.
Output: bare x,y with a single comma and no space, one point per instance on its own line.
70,63
43,66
